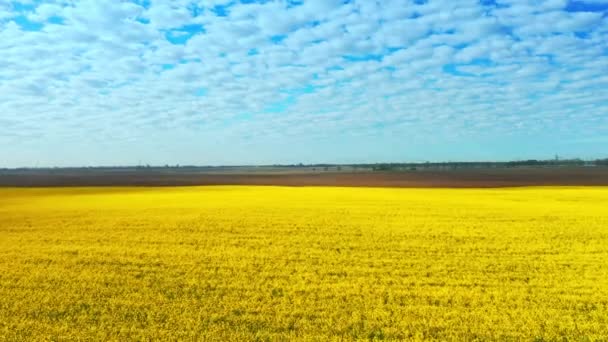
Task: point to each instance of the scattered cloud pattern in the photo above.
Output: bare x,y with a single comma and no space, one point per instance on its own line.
237,82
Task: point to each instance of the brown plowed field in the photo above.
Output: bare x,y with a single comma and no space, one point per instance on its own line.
464,178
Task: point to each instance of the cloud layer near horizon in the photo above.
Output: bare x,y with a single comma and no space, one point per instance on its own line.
217,81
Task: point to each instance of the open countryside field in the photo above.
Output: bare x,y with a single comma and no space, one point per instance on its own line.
235,263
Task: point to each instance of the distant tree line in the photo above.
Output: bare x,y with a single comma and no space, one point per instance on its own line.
341,167
457,165
488,165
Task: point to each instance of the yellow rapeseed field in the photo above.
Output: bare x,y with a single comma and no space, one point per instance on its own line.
279,264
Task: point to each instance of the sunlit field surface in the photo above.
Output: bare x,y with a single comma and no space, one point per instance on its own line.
272,263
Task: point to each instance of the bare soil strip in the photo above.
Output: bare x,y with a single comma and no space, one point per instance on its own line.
466,178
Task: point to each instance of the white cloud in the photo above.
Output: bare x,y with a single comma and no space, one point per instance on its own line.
164,16
442,68
45,11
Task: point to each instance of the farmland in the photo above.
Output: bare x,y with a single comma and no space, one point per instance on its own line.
234,263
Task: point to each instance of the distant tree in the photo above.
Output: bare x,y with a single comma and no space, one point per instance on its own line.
382,167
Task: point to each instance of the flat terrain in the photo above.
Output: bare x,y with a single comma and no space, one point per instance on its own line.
463,178
312,264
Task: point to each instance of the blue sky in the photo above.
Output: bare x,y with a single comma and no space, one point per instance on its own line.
262,82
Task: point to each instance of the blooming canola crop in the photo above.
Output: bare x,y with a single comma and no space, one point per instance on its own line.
303,263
